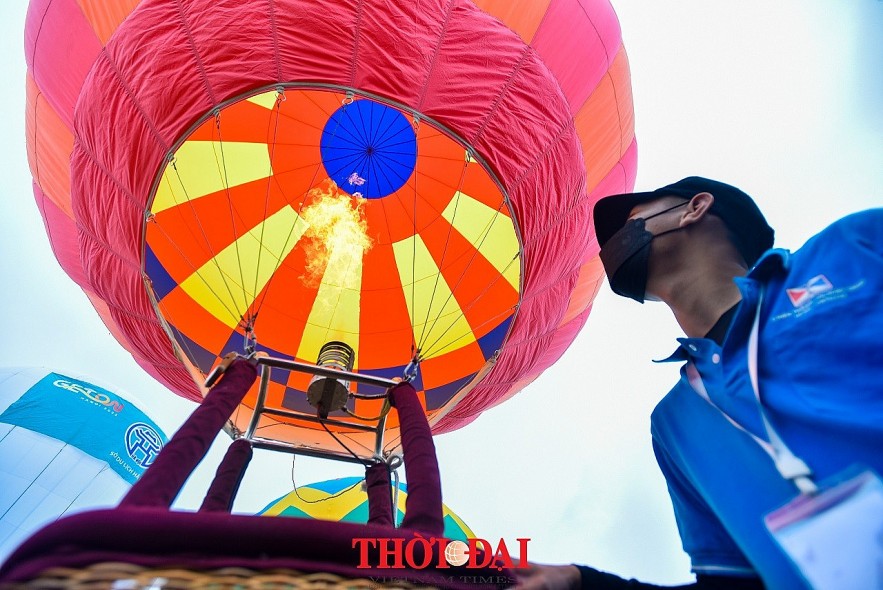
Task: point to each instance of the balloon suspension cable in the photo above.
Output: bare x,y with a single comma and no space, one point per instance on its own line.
319,500
410,372
249,338
384,410
225,363
358,459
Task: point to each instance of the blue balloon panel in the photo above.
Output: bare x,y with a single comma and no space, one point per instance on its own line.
369,148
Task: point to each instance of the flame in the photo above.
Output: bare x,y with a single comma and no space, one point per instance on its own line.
337,230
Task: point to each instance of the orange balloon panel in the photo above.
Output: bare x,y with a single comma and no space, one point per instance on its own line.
305,216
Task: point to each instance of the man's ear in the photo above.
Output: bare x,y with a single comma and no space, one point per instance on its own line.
696,209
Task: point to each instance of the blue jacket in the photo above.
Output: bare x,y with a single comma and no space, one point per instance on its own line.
820,367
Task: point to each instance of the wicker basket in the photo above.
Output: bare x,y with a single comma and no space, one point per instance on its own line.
126,576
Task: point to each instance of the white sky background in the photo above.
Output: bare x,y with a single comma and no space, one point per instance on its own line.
783,99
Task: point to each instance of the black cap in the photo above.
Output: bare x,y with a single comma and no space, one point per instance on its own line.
752,235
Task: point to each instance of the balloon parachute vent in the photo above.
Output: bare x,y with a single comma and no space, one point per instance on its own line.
328,394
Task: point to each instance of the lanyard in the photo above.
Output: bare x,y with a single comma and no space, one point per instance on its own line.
789,465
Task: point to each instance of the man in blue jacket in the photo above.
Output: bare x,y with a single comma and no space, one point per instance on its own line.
771,404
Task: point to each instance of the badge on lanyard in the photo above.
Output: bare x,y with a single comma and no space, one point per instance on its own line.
835,536
832,533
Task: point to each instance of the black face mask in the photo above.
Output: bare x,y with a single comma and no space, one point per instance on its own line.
626,256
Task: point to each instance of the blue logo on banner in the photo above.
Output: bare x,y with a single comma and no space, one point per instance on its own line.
143,444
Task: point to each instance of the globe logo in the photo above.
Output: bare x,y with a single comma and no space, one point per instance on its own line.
457,553
143,444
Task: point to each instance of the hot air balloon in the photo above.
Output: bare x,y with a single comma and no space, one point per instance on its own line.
345,500
384,187
65,445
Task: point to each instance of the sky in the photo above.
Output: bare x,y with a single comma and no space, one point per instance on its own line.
779,98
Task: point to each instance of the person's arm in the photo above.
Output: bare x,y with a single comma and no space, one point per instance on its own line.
580,577
591,578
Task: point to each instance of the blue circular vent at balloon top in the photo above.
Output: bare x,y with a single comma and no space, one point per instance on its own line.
369,148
